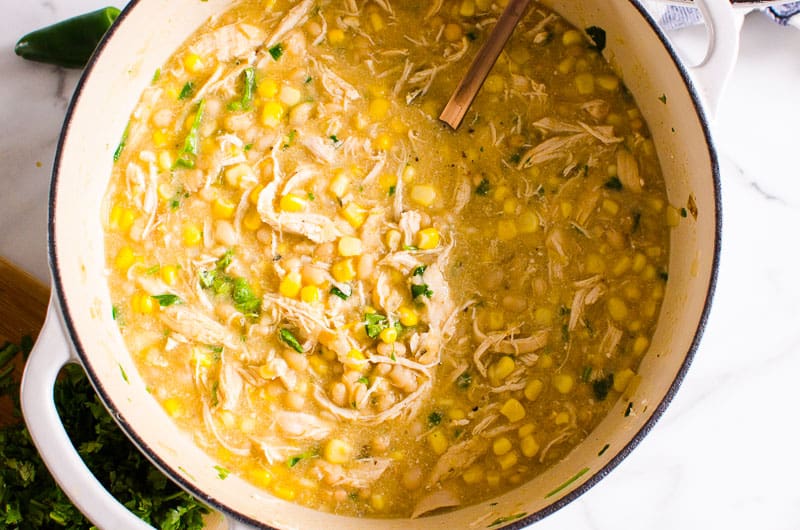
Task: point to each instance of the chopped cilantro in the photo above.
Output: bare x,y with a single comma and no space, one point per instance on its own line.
421,289
334,139
276,51
247,147
293,461
483,188
152,270
464,380
598,36
222,473
472,36
114,312
434,418
191,145
187,90
375,323
289,338
586,374
165,300
343,293
613,184
122,142
603,450
663,98
602,387
392,190
311,196
419,271
363,380
156,75
244,299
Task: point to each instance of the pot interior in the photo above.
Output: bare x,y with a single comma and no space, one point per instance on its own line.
149,31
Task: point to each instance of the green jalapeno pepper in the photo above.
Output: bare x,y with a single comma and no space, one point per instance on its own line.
69,43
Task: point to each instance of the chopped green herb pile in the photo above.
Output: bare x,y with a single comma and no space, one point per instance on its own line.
30,498
239,289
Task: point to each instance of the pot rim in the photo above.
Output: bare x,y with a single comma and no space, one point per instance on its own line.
519,524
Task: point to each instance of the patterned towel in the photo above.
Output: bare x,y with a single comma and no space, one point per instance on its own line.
672,17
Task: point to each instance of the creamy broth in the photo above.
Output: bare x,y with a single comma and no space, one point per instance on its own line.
351,305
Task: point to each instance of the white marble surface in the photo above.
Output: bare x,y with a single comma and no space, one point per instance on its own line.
725,454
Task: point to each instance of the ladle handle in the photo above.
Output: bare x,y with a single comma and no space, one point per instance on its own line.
482,64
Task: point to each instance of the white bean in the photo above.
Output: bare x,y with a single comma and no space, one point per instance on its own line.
412,478
514,303
296,361
339,394
162,118
300,114
366,266
224,233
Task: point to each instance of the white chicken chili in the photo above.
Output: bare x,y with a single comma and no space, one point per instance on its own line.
356,308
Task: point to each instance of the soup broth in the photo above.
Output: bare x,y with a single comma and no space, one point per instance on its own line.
357,308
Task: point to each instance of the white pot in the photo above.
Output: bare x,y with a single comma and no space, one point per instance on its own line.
80,329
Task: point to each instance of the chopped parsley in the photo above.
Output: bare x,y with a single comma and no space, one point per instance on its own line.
276,51
419,271
165,300
289,338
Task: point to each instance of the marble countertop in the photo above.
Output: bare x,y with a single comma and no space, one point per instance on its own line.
725,454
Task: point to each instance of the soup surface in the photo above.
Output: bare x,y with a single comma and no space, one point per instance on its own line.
351,305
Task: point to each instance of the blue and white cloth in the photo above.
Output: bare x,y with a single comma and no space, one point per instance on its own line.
673,16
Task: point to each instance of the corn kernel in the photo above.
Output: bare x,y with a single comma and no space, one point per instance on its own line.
354,214
267,88
169,274
571,37
493,478
160,137
584,83
378,502
673,216
428,238
126,219
252,220
503,367
238,175
143,303
259,476
527,223
501,446
173,406
293,203
506,229
290,285
383,142
508,460
545,361
387,181
467,8
566,208
339,183
336,37
408,316
473,474
456,414
271,114
595,264
622,266
563,383
349,246
622,378
310,294
533,389
286,493
566,65
453,32
423,194
343,271
356,355
494,84
562,418
222,208
392,239
193,63
409,172
437,441
513,410
501,193
640,345
337,451
388,335
617,309
610,206
378,109
125,258
529,446
607,82
525,430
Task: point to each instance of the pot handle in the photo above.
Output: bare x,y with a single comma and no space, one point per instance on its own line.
50,353
712,73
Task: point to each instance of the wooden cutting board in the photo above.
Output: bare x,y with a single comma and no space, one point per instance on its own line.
23,305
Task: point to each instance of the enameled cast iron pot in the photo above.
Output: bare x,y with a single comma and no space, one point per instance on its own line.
79,326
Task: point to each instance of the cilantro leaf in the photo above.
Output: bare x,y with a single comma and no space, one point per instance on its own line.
165,300
289,338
